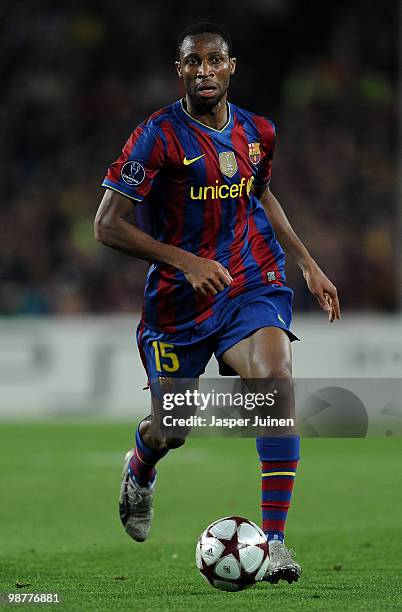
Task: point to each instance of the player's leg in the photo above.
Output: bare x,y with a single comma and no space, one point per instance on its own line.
167,365
153,442
153,439
263,360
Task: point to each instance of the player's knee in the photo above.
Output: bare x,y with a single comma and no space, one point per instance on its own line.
171,443
280,371
275,371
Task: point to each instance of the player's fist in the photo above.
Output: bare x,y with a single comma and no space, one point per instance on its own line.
206,275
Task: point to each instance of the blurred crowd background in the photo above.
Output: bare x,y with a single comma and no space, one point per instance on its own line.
78,77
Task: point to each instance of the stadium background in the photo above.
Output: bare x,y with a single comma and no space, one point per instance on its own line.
75,80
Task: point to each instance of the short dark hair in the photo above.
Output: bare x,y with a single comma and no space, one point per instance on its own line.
201,28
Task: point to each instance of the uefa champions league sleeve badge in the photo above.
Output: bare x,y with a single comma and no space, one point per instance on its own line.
133,173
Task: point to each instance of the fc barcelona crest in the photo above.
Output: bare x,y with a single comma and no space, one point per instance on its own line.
228,163
254,152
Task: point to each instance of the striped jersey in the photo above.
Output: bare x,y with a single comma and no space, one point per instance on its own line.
194,184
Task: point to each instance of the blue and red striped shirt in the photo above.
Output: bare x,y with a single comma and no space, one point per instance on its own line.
195,184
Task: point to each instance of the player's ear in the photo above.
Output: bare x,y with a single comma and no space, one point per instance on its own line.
178,68
232,65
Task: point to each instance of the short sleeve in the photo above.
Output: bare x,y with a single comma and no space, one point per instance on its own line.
141,159
267,135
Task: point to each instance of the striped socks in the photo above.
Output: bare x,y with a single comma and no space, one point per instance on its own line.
142,464
279,458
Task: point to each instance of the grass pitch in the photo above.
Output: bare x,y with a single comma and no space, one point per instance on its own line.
60,531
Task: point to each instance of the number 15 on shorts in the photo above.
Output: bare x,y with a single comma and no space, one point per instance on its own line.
166,359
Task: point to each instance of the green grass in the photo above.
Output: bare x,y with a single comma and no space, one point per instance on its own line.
60,532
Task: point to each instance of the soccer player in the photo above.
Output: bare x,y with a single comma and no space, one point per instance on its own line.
202,165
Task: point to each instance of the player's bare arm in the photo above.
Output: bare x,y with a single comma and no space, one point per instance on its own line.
318,283
113,229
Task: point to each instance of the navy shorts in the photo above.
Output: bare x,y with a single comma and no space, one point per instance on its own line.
185,354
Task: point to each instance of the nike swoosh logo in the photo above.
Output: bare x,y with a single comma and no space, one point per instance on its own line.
187,162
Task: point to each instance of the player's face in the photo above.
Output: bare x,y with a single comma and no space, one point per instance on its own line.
205,67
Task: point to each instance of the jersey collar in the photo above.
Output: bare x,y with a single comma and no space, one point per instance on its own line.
207,127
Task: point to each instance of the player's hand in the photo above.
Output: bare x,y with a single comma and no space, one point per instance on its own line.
324,291
206,275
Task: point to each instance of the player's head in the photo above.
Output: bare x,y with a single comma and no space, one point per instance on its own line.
205,62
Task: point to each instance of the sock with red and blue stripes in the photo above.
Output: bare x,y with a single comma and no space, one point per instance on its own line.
142,464
279,457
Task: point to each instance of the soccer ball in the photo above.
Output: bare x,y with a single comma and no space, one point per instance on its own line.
232,553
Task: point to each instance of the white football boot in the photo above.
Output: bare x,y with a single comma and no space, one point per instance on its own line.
135,504
281,564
